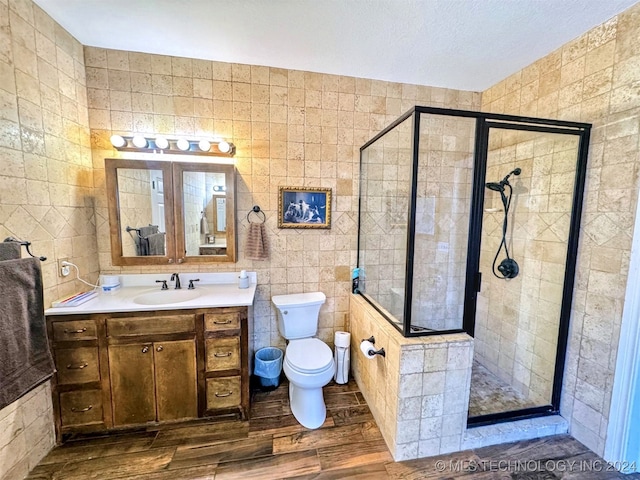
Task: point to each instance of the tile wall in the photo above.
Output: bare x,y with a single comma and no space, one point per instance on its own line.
26,433
594,79
517,319
46,186
291,128
419,392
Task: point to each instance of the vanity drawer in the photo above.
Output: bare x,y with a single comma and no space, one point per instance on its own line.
223,354
74,330
126,327
77,365
221,321
81,407
224,392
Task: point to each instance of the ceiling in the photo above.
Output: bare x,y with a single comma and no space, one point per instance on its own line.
462,44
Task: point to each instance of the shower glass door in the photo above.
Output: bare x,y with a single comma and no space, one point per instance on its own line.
521,311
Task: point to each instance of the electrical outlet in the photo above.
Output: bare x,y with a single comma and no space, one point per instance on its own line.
63,270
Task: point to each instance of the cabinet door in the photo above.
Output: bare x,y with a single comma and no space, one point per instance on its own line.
132,385
176,383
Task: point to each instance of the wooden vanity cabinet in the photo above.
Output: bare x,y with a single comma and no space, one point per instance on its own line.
131,369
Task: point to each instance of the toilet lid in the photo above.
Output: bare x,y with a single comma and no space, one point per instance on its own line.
308,355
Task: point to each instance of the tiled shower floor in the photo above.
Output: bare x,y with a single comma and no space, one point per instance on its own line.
489,394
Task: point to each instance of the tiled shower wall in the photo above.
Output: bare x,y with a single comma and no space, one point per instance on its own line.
291,128
386,176
445,166
517,319
46,186
593,79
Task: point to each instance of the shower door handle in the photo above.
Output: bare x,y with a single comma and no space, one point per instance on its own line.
478,281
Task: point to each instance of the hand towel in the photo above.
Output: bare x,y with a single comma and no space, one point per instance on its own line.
257,246
204,225
156,243
25,359
10,251
150,230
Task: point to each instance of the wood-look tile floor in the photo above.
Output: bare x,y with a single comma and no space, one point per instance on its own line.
272,445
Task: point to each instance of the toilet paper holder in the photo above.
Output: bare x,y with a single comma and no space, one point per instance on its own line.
372,339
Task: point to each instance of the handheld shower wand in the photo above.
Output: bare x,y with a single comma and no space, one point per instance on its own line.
508,267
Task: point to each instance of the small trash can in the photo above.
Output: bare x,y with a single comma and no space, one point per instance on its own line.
268,366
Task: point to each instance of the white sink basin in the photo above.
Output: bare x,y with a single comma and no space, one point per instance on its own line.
165,297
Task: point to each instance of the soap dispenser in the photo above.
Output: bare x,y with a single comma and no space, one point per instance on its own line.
243,279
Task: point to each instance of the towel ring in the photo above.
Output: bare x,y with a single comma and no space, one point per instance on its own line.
258,212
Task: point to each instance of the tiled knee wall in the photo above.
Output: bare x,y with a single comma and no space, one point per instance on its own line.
26,433
418,393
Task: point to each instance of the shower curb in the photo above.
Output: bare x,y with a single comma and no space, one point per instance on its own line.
518,430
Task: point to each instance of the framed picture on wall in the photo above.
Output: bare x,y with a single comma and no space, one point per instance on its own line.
304,207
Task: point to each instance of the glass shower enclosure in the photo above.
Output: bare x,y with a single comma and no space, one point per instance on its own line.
469,223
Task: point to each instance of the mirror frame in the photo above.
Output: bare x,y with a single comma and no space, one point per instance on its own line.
174,218
230,183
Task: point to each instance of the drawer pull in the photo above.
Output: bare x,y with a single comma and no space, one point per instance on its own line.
79,366
81,410
82,330
220,395
223,322
225,354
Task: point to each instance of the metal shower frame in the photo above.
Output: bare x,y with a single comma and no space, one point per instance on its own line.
484,122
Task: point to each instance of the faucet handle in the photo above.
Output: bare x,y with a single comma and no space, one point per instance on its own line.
191,285
164,284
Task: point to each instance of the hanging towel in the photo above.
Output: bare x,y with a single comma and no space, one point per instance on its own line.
150,230
204,225
257,245
10,251
156,243
25,359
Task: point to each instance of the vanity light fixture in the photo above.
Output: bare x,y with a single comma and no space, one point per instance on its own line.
162,143
224,147
118,141
141,143
183,144
205,145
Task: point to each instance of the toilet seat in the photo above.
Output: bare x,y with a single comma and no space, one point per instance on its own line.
309,355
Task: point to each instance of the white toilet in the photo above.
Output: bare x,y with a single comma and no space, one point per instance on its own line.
308,361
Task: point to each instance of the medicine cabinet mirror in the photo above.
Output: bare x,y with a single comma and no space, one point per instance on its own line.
170,212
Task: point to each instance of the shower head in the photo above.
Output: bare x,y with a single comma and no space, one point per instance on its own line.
496,187
499,186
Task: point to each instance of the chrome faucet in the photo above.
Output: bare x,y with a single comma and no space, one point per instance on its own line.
176,277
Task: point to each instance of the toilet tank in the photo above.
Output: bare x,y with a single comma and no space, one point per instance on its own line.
298,314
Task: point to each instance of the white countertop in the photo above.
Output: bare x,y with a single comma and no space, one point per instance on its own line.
215,289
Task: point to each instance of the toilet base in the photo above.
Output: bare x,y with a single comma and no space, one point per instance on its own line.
307,405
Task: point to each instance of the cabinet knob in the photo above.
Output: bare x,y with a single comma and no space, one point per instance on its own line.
79,366
159,349
81,330
171,260
180,260
81,410
145,349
